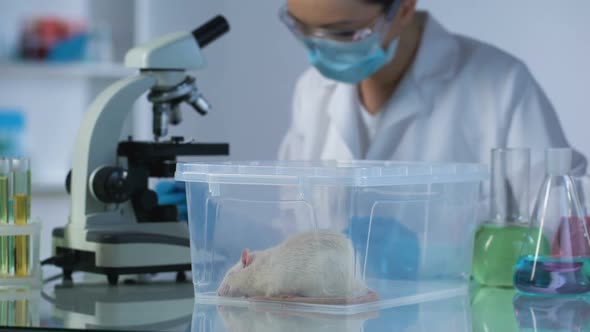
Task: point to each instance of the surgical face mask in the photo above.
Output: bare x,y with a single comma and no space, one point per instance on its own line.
346,56
350,62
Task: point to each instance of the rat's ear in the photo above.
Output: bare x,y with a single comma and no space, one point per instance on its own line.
246,258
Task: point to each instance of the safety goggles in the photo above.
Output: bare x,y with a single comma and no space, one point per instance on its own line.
304,31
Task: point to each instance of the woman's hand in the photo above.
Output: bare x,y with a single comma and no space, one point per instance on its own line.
173,193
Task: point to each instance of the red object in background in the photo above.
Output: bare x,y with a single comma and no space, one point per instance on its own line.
571,239
40,35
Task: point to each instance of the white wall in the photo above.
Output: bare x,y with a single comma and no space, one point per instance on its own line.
252,71
250,77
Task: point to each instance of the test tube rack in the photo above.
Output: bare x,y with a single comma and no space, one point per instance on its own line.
32,232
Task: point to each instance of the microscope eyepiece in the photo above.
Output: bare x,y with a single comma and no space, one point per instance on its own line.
210,31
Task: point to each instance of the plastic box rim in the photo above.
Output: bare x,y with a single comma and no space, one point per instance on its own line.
343,173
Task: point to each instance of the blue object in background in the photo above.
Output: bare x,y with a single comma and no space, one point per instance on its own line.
394,251
70,50
12,132
173,193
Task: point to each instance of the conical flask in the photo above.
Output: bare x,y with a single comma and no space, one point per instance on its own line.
583,187
551,262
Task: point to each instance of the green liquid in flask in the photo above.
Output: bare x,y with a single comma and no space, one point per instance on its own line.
497,250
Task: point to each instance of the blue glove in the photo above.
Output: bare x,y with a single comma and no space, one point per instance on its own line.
394,250
173,193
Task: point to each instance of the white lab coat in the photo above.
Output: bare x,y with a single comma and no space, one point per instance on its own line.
460,99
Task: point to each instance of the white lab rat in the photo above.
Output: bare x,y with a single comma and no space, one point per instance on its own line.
312,267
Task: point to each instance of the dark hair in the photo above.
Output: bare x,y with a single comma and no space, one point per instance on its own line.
384,3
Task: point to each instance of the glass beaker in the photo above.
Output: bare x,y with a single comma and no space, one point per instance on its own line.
558,220
498,241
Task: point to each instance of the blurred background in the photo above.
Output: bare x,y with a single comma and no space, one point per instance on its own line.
56,56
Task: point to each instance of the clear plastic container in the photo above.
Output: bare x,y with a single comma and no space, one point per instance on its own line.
450,314
407,227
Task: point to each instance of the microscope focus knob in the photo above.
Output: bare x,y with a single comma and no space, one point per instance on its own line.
111,185
69,183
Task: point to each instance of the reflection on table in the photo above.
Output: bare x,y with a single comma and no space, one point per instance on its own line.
535,313
19,307
451,314
138,305
149,304
506,310
492,310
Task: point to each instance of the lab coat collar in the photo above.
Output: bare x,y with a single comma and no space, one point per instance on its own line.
435,62
437,57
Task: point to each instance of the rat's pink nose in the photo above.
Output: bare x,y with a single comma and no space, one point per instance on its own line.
223,291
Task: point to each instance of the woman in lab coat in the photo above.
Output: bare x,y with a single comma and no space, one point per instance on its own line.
391,83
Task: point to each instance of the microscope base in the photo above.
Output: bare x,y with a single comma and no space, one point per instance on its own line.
127,254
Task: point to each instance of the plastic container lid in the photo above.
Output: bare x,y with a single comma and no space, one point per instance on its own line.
558,161
354,173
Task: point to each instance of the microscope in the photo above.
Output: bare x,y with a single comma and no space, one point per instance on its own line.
116,226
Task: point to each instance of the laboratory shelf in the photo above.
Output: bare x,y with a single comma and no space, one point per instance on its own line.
63,70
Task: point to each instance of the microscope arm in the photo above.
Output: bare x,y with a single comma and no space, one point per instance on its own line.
98,135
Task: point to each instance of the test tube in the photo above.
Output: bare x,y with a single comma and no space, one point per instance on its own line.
29,194
4,193
20,173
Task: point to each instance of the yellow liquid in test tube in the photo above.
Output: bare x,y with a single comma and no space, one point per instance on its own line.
21,262
28,193
4,245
